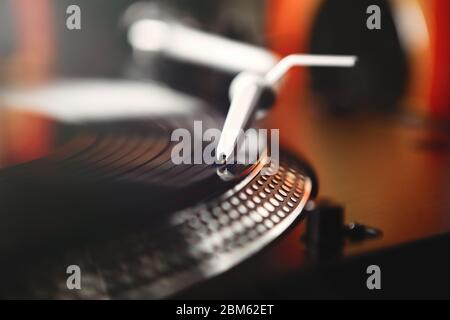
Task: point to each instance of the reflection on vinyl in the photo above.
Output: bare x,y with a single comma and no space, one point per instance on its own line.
105,195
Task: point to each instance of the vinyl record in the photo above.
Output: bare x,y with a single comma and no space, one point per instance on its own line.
105,195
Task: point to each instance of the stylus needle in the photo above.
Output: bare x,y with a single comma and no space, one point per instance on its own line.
239,115
246,98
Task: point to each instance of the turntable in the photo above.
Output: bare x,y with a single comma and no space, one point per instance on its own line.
100,181
87,178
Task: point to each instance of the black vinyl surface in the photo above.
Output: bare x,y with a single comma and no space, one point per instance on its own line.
109,199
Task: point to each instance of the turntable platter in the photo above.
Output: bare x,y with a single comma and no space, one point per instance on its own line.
106,196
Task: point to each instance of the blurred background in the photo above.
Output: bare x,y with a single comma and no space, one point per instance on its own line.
405,64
